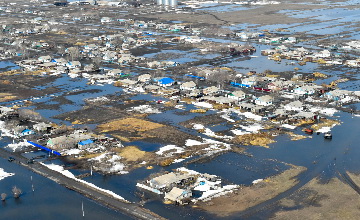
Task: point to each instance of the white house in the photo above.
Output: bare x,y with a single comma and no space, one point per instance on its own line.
188,86
265,100
237,95
44,58
294,106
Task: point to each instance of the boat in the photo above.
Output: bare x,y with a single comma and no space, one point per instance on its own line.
308,130
328,135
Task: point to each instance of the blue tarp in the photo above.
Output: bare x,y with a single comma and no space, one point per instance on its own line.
88,141
44,148
166,80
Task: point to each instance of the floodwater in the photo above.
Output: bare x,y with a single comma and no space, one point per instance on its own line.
321,157
48,200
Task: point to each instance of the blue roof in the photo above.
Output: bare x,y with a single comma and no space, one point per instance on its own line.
166,80
197,77
26,130
88,141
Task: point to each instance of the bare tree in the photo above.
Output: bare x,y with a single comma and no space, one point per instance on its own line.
30,115
16,192
3,196
96,62
73,52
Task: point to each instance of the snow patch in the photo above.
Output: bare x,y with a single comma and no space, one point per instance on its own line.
257,181
72,152
67,173
324,130
203,104
239,132
227,117
190,143
147,109
18,146
325,111
288,126
254,128
170,147
4,174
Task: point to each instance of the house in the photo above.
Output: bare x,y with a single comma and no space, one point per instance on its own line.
45,59
307,89
26,132
42,127
127,82
144,78
294,106
337,94
85,144
223,100
105,20
210,90
169,179
251,107
109,56
73,64
188,86
238,95
5,110
153,64
323,54
114,72
353,63
280,85
282,48
67,141
91,47
304,115
177,195
265,100
166,81
126,58
291,40
152,88
59,61
249,82
302,51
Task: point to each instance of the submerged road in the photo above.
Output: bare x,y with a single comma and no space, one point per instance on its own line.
127,208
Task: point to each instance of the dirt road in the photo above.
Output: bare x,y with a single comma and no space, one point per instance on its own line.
124,207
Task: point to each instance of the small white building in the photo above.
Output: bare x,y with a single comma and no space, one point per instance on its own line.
188,86
265,100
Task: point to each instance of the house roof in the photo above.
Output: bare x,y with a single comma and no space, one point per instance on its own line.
190,84
211,89
174,194
238,93
88,141
26,130
169,178
265,98
166,80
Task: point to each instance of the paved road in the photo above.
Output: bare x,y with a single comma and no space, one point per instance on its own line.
130,209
